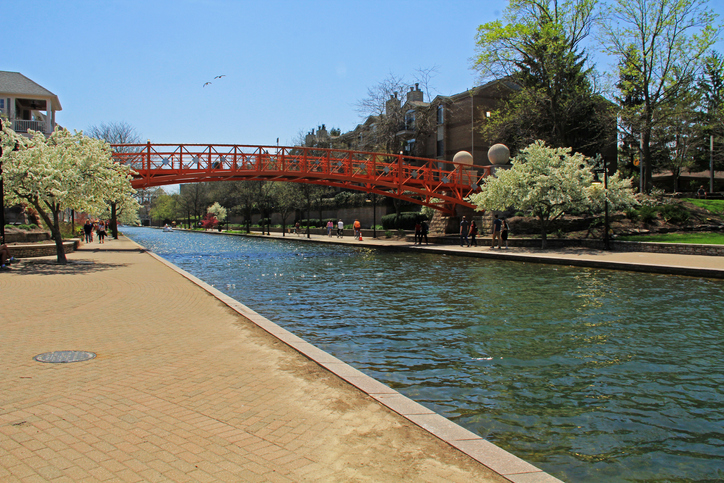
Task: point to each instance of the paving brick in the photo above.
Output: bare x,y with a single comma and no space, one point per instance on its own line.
183,388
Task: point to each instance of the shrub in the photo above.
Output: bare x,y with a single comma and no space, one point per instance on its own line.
406,220
674,213
647,213
631,214
31,226
349,199
314,222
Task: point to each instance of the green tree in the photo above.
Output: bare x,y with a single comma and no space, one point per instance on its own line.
678,135
711,89
166,208
660,44
553,99
630,99
548,182
287,197
193,199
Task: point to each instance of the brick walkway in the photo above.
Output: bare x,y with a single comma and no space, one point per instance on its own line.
668,263
184,388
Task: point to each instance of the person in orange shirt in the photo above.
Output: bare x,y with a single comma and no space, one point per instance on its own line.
357,229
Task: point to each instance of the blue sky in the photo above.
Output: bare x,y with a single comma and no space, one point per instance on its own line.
289,66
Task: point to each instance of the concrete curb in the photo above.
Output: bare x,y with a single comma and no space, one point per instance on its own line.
554,259
498,460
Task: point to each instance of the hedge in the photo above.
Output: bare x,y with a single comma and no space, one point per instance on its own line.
406,220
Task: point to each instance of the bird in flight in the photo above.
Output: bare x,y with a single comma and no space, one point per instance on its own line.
220,76
206,84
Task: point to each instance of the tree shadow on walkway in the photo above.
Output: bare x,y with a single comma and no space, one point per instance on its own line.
73,267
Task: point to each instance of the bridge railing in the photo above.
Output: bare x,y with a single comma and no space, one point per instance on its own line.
390,174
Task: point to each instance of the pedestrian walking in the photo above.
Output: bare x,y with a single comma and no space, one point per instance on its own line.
497,225
464,230
88,231
330,227
101,230
357,230
473,233
504,231
340,228
418,233
425,229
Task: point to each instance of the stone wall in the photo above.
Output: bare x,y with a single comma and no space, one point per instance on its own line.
41,249
594,244
24,236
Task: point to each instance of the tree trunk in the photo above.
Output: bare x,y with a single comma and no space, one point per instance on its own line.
54,226
59,249
543,232
646,150
396,203
114,221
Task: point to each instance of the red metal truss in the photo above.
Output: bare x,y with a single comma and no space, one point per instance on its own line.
429,182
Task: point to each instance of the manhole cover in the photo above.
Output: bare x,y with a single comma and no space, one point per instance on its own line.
61,357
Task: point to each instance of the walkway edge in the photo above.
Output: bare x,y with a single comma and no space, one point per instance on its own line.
553,259
588,263
486,453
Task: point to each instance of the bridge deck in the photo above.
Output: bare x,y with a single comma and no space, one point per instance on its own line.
431,182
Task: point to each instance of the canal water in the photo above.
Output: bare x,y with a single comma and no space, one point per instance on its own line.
591,375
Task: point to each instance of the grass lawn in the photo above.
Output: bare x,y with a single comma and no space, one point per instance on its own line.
690,238
714,206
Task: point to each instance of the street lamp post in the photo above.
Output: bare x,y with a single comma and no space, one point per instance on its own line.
374,215
604,170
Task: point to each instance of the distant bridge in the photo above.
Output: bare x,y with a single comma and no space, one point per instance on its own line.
430,182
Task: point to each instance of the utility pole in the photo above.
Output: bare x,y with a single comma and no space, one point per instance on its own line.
711,163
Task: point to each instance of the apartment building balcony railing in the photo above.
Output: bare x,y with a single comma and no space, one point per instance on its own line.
24,126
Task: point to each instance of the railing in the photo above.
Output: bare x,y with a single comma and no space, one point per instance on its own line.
25,126
425,181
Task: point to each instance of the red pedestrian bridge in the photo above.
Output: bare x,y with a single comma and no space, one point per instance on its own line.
430,182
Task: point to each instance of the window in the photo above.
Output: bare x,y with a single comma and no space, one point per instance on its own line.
409,147
410,120
440,148
440,114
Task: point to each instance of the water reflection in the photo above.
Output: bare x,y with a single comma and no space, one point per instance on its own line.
591,375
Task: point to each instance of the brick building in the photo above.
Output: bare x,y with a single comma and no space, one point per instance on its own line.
437,129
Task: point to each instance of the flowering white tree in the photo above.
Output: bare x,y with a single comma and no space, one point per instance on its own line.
61,171
218,211
549,182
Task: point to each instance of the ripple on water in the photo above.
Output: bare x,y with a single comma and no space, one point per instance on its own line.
591,375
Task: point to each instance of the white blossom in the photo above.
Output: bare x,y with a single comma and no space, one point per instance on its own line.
61,171
549,182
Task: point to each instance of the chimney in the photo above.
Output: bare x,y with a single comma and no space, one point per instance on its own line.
393,104
415,94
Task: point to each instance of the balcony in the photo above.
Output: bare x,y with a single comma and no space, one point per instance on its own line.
20,126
